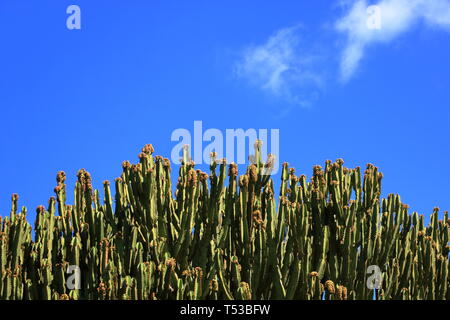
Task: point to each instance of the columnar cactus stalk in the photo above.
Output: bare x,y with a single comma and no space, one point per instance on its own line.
223,235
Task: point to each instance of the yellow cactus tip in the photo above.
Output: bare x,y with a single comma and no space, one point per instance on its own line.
148,149
126,164
171,262
233,170
329,286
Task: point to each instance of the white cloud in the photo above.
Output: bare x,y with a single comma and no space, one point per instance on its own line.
282,67
397,17
295,65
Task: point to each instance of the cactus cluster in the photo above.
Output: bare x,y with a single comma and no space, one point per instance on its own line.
224,236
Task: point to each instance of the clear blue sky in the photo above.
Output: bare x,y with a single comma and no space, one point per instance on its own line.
137,70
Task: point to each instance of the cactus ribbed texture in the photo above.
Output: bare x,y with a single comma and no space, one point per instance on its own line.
224,236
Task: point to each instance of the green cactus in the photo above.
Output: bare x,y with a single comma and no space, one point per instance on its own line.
219,238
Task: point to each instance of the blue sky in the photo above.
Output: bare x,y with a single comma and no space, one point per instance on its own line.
136,71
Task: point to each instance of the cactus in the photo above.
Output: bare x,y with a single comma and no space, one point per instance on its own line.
222,235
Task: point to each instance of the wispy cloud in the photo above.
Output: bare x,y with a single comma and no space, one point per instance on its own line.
294,67
282,67
397,17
